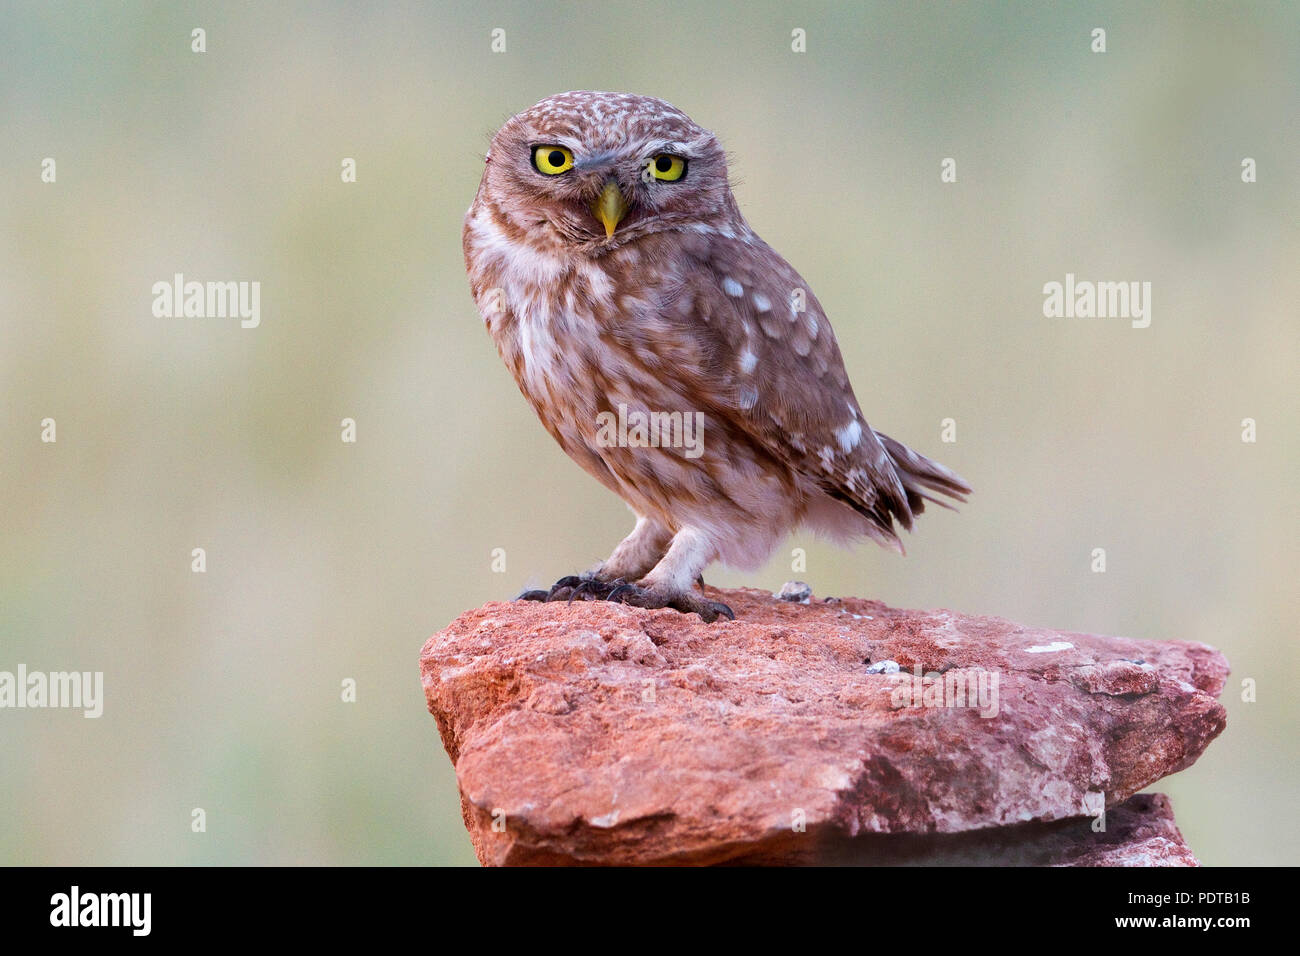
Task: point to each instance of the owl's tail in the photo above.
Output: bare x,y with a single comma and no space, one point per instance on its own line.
920,476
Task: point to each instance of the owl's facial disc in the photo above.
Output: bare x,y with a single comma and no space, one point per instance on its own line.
594,171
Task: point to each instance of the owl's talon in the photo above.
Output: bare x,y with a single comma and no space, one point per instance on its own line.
709,611
533,595
559,588
620,588
586,586
724,610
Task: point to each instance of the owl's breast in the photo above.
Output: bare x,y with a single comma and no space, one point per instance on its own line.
578,334
550,334
546,311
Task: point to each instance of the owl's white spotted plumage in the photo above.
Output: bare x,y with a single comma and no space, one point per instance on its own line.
613,268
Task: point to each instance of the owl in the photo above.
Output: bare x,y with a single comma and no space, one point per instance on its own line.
672,353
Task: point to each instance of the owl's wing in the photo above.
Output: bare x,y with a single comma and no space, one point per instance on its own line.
751,340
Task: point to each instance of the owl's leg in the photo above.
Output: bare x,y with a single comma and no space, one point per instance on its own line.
670,583
635,555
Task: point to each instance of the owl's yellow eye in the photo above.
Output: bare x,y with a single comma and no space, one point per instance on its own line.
552,160
667,168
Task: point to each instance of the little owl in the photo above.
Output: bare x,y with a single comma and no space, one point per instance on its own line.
671,352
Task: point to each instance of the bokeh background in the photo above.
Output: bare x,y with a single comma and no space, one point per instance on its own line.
329,561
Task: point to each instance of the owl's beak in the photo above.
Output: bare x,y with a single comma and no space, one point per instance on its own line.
610,208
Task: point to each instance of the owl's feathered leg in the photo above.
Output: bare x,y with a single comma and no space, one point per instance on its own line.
636,554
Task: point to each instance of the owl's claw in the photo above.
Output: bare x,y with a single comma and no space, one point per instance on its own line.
709,611
597,588
567,588
572,587
563,588
623,588
555,592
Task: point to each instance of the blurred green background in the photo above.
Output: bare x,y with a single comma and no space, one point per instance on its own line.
329,561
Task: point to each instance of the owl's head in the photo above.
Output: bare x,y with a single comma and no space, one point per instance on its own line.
597,170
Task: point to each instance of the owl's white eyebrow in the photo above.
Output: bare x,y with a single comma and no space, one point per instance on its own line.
573,144
669,146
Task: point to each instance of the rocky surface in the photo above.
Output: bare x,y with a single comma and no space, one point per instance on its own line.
1139,832
809,732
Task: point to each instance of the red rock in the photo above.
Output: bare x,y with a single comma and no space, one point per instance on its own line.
600,733
1139,832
